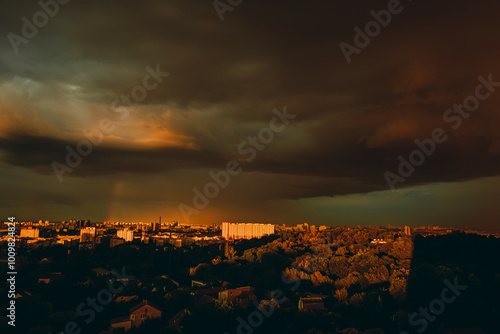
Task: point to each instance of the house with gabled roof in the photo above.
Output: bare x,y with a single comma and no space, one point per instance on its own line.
143,311
311,303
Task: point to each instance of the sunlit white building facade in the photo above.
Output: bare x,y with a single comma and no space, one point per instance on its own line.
126,234
246,230
30,232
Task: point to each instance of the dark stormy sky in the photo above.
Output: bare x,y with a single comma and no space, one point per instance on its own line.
327,166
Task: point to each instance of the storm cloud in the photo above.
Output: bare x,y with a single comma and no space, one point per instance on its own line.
352,121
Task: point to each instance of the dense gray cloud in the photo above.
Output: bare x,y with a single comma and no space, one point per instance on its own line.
353,120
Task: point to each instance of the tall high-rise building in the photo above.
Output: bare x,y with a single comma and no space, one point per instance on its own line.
126,234
246,230
87,234
225,230
157,226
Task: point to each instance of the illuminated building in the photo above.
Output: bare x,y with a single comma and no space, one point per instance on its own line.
246,230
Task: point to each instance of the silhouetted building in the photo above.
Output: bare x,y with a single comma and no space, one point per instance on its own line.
123,323
313,303
125,299
176,320
115,242
242,296
143,311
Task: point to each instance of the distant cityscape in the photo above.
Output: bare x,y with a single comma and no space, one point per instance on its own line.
88,234
172,273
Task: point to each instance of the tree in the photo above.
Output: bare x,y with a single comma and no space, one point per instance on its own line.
230,253
348,281
357,299
377,274
342,251
342,295
402,249
225,305
338,266
398,285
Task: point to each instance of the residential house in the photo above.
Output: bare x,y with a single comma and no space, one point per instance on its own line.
311,303
124,323
126,299
242,296
175,321
143,311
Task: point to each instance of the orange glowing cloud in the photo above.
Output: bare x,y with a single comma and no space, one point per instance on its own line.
144,128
